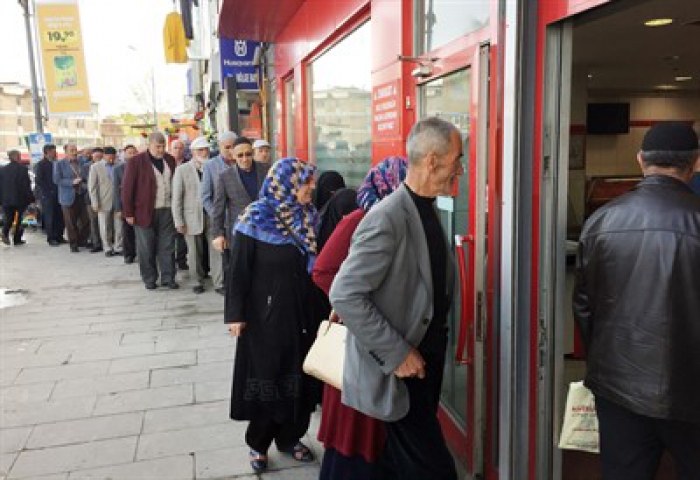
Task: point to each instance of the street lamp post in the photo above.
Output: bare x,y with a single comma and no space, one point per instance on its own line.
32,68
153,90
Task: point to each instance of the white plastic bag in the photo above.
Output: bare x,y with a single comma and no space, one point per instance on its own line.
580,429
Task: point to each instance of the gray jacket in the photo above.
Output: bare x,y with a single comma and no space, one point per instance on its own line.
231,198
384,295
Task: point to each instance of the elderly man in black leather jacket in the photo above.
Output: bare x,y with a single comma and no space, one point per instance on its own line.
637,304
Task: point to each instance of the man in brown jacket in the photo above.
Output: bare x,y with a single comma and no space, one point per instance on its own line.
146,197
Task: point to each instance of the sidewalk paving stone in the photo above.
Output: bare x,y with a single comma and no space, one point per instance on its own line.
62,372
100,386
73,457
216,371
33,392
148,362
14,439
171,468
137,400
85,430
210,437
190,416
21,414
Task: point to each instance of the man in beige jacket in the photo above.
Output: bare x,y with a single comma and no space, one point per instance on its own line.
188,212
101,189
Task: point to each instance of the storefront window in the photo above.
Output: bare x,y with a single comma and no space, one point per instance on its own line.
446,20
340,124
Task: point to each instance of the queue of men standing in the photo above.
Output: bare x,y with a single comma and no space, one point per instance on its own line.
155,207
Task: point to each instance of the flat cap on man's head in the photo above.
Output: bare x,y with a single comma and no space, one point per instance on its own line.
670,137
199,142
261,144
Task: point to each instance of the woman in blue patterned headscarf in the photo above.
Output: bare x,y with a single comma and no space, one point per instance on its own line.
270,307
381,180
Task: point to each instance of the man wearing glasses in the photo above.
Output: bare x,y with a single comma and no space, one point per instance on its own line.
235,189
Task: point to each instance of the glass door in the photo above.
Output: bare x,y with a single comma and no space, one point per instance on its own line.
454,98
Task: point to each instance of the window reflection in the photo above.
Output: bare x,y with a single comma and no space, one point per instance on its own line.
340,126
290,102
446,20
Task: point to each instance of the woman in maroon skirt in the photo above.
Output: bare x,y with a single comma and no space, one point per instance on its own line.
353,441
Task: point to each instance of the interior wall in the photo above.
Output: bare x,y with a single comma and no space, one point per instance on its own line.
616,154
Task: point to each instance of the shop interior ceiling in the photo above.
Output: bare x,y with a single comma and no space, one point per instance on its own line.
618,52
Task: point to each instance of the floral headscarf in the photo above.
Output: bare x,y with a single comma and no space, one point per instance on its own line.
277,217
381,180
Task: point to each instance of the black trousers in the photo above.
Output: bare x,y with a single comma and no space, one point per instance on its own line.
261,432
180,249
415,447
631,445
128,239
52,218
10,212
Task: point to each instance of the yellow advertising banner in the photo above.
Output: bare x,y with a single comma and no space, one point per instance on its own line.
61,43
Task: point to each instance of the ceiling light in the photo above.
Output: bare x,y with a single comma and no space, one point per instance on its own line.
666,87
658,22
684,78
672,58
590,75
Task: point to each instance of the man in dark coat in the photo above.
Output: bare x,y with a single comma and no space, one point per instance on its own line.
48,194
637,305
128,236
16,190
146,199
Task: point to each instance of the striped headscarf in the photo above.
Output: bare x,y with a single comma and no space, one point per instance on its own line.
381,180
277,206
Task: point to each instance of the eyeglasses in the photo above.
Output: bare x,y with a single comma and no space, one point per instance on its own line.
245,154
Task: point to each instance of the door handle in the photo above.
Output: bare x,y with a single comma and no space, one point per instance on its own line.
463,354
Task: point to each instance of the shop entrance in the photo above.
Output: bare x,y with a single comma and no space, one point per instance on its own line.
610,74
461,97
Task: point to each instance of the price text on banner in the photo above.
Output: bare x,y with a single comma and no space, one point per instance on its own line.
61,43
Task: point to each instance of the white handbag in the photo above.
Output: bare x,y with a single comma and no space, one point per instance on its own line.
580,429
326,357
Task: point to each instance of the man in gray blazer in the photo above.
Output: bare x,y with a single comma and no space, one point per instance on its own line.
188,212
394,292
101,189
235,189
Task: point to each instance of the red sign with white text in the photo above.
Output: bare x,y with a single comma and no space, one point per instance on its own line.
386,103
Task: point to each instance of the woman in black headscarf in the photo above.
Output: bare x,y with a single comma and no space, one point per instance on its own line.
342,202
328,183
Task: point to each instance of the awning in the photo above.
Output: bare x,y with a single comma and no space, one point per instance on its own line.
259,20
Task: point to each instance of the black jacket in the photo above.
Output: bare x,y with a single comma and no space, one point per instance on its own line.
44,179
15,186
637,300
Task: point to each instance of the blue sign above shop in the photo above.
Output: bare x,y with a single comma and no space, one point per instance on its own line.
237,62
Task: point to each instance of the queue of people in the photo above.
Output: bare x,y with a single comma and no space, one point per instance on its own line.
285,248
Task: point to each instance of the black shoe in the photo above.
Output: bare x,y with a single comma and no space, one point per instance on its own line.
74,249
95,249
118,253
171,285
54,243
109,253
128,260
198,289
183,266
19,242
150,286
4,239
62,240
221,291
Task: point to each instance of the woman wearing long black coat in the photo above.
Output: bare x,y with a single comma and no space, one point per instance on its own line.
270,302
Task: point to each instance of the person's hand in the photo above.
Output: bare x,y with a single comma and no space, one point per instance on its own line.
236,329
130,220
219,244
182,229
412,366
334,318
77,181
